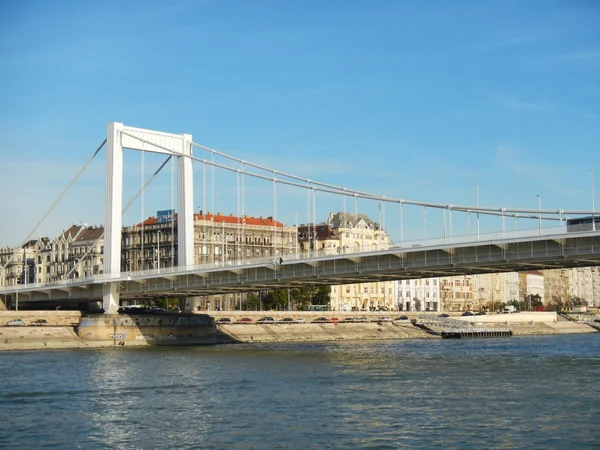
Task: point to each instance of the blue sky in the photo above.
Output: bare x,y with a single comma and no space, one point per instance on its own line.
417,100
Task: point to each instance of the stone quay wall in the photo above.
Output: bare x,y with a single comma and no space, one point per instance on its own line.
152,329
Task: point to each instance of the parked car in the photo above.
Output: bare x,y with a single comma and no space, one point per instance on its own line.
300,320
244,320
444,315
40,322
15,323
266,320
468,313
287,320
384,319
481,313
223,320
321,320
401,318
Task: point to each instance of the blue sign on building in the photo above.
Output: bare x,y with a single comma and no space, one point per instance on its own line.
165,216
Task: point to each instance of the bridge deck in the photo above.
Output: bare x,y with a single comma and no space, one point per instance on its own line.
539,252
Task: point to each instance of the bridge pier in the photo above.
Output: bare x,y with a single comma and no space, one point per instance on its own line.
110,298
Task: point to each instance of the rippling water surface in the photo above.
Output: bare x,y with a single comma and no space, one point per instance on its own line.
521,392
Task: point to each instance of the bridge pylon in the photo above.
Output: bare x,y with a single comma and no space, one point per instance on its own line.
121,137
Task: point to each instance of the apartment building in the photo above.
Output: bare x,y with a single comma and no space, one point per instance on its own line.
419,294
344,233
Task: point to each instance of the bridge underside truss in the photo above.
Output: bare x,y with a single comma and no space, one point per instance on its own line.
565,251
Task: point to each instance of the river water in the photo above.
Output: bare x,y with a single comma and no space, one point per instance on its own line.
521,392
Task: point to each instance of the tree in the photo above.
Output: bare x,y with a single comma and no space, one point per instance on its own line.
301,297
252,302
322,296
275,299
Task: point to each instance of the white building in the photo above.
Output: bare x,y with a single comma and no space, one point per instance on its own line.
419,294
535,284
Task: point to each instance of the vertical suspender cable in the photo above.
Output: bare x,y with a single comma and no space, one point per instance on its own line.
383,218
173,215
204,250
402,222
314,195
355,210
212,168
469,223
274,215
238,212
380,218
308,223
243,216
425,222
477,204
345,220
444,211
142,257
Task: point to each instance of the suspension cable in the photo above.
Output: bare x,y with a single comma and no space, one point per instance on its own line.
60,197
492,211
137,194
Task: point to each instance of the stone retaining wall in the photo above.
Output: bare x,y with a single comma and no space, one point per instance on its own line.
154,329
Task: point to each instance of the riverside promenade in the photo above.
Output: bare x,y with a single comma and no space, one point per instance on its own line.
63,328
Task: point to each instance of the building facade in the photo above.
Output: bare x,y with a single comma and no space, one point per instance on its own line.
419,295
346,233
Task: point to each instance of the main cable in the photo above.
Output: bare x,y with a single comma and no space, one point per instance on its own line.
60,197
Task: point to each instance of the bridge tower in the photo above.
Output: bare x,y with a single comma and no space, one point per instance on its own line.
121,137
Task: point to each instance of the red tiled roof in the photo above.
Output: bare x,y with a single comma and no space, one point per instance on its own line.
221,218
248,220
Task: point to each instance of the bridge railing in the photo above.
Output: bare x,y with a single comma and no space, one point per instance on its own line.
416,245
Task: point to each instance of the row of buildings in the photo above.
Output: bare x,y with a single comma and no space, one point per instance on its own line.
78,252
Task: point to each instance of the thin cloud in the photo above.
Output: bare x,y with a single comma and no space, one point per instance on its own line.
583,55
549,177
517,103
498,43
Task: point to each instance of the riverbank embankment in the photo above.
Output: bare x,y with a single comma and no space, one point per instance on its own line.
69,329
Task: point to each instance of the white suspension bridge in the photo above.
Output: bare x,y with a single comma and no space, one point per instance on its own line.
562,245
